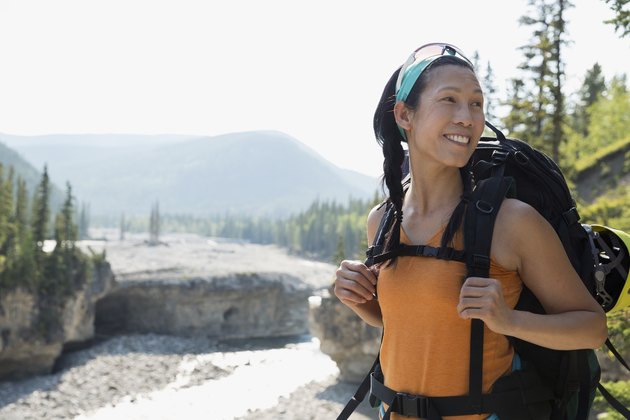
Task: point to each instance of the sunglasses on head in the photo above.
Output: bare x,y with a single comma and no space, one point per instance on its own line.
418,61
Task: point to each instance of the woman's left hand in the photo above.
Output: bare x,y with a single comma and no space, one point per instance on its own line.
482,298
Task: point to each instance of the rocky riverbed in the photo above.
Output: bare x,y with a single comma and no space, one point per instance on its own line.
151,375
164,377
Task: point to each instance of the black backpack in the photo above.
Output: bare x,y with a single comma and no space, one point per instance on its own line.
552,384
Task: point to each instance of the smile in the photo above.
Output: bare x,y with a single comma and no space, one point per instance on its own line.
457,138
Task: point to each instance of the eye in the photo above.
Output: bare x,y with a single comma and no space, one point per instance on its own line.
449,99
477,104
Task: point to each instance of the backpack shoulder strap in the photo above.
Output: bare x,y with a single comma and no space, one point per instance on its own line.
479,220
376,249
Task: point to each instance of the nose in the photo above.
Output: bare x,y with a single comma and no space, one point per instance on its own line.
464,116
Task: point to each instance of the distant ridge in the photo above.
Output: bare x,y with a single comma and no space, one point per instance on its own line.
30,174
253,173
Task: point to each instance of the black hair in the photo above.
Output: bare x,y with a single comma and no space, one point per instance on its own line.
389,137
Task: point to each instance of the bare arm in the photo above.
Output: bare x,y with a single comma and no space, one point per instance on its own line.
355,283
524,241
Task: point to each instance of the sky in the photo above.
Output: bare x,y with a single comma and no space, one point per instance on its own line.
314,70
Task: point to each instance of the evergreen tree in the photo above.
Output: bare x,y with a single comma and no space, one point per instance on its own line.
559,41
622,16
66,231
608,123
154,225
41,210
476,60
518,120
340,253
123,227
84,221
25,269
5,214
610,118
21,207
490,91
592,88
540,100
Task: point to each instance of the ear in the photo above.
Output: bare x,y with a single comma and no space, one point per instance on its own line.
403,115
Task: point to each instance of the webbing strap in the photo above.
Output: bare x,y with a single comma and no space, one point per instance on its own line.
360,393
616,353
379,240
403,250
479,222
614,402
430,408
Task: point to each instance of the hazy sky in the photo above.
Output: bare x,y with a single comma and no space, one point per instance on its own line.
314,70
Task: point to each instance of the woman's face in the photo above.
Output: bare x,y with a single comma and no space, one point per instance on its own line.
447,124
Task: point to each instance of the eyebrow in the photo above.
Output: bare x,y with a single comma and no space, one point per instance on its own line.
457,89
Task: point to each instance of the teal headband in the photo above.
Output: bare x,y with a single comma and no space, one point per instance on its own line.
411,75
411,71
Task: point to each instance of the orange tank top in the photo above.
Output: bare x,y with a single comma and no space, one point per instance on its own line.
426,345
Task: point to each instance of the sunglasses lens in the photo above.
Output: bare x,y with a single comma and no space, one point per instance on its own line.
426,52
432,50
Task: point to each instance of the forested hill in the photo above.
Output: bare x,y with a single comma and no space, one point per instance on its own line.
602,182
252,173
31,175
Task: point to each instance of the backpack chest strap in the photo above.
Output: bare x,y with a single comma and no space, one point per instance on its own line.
441,253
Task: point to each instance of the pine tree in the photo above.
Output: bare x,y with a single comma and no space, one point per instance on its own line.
593,87
489,93
540,100
622,16
518,120
84,221
65,227
340,253
21,207
558,117
10,247
41,210
123,227
154,225
5,214
26,269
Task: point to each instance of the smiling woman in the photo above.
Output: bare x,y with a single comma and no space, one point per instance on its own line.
430,302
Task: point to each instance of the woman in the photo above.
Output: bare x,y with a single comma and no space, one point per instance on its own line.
434,103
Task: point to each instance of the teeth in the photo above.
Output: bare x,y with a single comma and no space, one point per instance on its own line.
458,139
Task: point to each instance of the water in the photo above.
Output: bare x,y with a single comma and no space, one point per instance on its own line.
259,380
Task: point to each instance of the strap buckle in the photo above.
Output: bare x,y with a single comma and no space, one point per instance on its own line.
411,405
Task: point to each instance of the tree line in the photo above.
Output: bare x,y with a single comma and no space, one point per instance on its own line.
326,230
27,259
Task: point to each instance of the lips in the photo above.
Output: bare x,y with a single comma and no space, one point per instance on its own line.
458,138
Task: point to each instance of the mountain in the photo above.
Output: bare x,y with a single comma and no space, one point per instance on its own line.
254,173
31,175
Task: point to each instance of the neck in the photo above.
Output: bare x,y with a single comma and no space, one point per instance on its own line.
433,191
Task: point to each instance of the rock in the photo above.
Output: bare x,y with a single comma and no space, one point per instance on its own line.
345,337
79,310
34,330
24,350
210,287
238,306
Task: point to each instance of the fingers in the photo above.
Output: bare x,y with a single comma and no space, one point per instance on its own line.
478,287
482,298
478,296
355,282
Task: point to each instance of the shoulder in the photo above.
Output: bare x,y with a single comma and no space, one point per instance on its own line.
374,219
518,228
516,216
